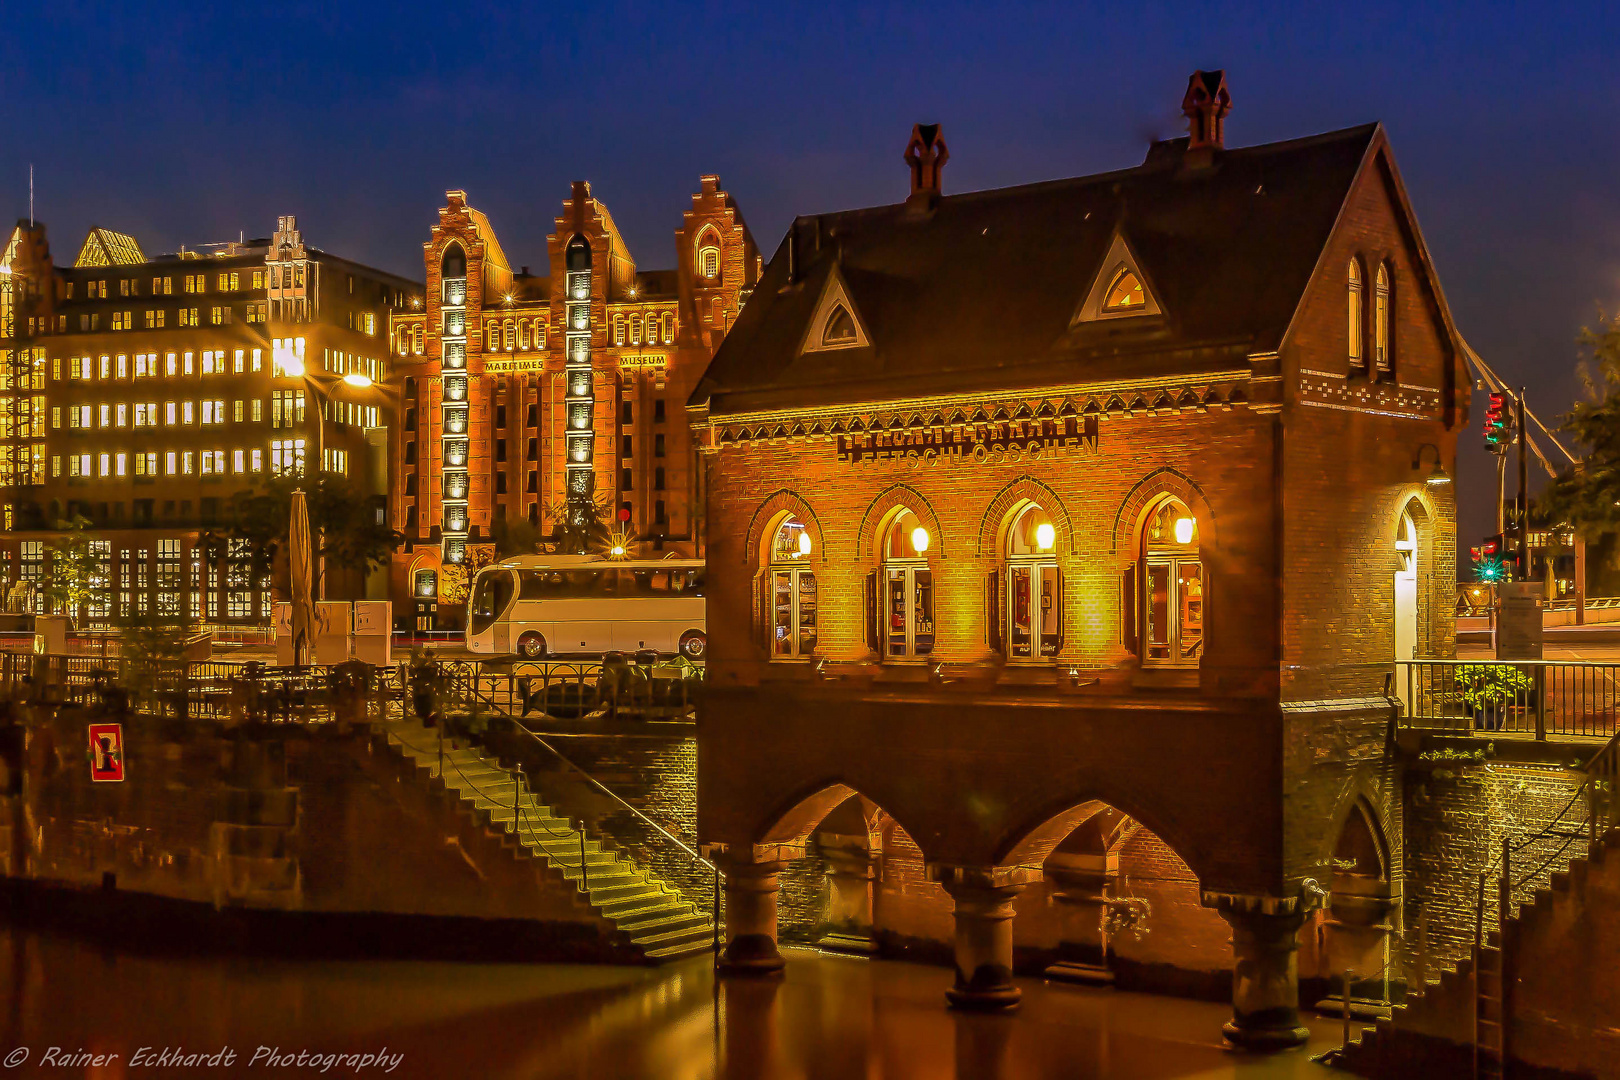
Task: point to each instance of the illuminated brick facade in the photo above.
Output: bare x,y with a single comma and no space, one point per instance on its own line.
514,382
1100,507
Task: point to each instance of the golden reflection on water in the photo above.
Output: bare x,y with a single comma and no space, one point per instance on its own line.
829,1018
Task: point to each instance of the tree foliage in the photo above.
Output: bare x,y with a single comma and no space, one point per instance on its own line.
75,574
350,525
1587,496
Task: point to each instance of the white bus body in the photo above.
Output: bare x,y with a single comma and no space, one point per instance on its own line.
570,605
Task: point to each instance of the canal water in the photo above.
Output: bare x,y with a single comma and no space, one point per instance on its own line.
828,1018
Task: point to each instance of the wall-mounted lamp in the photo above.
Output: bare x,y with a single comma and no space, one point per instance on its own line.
1438,475
919,540
1045,536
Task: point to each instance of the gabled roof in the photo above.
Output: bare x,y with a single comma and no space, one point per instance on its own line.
981,292
103,247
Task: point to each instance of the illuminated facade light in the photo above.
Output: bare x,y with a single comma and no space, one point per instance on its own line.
1046,536
1184,530
919,539
358,379
804,543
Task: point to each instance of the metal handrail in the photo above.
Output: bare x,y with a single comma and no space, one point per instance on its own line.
599,786
474,692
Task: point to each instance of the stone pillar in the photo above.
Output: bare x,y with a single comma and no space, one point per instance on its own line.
850,872
751,919
983,911
1265,976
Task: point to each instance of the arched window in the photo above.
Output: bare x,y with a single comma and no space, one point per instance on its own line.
523,334
492,337
1353,321
1406,589
618,329
1381,319
708,254
1124,292
906,612
454,264
840,328
635,329
792,586
1172,576
669,327
1034,587
511,335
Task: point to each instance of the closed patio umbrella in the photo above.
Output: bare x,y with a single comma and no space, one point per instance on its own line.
303,603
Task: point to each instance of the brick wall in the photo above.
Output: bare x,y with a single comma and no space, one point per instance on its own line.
1456,819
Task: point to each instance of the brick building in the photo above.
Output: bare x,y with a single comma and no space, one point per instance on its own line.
1047,518
556,399
141,394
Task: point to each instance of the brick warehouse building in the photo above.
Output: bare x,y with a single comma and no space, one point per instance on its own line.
530,397
142,394
1045,518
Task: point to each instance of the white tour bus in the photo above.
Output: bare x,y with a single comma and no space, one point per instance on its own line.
560,605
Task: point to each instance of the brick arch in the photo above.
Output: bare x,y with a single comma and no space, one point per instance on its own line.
1165,481
1360,798
791,825
784,501
892,498
1024,489
1035,836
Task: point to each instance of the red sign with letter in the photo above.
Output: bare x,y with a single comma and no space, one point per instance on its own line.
106,752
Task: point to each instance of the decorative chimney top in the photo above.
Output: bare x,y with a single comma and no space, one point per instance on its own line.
1206,104
927,154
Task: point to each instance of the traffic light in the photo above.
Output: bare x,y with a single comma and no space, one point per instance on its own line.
1498,422
1488,564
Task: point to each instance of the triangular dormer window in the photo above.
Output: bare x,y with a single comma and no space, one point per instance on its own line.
840,329
836,323
1120,290
1125,293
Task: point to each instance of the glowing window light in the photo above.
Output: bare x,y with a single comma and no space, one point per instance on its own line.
919,539
804,543
1184,530
1045,536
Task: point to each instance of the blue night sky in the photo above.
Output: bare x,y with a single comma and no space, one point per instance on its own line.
191,126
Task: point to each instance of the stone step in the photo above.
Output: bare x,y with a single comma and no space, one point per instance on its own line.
700,936
677,952
668,920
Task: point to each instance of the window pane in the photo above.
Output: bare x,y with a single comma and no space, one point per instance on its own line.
807,611
923,612
1158,611
896,621
1051,610
1190,608
782,613
1018,601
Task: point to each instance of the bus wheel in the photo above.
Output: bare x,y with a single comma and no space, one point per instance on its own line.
694,643
532,646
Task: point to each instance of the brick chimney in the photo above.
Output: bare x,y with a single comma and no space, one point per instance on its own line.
1205,105
926,154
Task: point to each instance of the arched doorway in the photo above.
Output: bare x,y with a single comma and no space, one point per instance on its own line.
1406,580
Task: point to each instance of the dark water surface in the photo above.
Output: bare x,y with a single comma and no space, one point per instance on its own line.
830,1017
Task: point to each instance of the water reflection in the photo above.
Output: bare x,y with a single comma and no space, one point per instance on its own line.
830,1017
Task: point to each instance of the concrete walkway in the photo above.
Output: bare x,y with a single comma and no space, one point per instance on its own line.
829,1018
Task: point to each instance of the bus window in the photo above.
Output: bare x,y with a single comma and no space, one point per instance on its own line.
492,595
686,582
540,584
590,583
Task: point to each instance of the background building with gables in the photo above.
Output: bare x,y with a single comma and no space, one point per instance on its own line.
555,399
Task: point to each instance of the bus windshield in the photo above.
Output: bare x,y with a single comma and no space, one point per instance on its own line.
492,594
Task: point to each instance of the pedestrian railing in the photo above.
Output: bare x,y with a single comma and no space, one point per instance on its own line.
1537,699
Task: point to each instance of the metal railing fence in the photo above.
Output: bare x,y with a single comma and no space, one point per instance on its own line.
1538,699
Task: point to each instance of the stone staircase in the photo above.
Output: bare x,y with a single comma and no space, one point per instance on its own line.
1433,1032
647,911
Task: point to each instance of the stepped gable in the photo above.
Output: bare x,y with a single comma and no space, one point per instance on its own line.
1228,248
